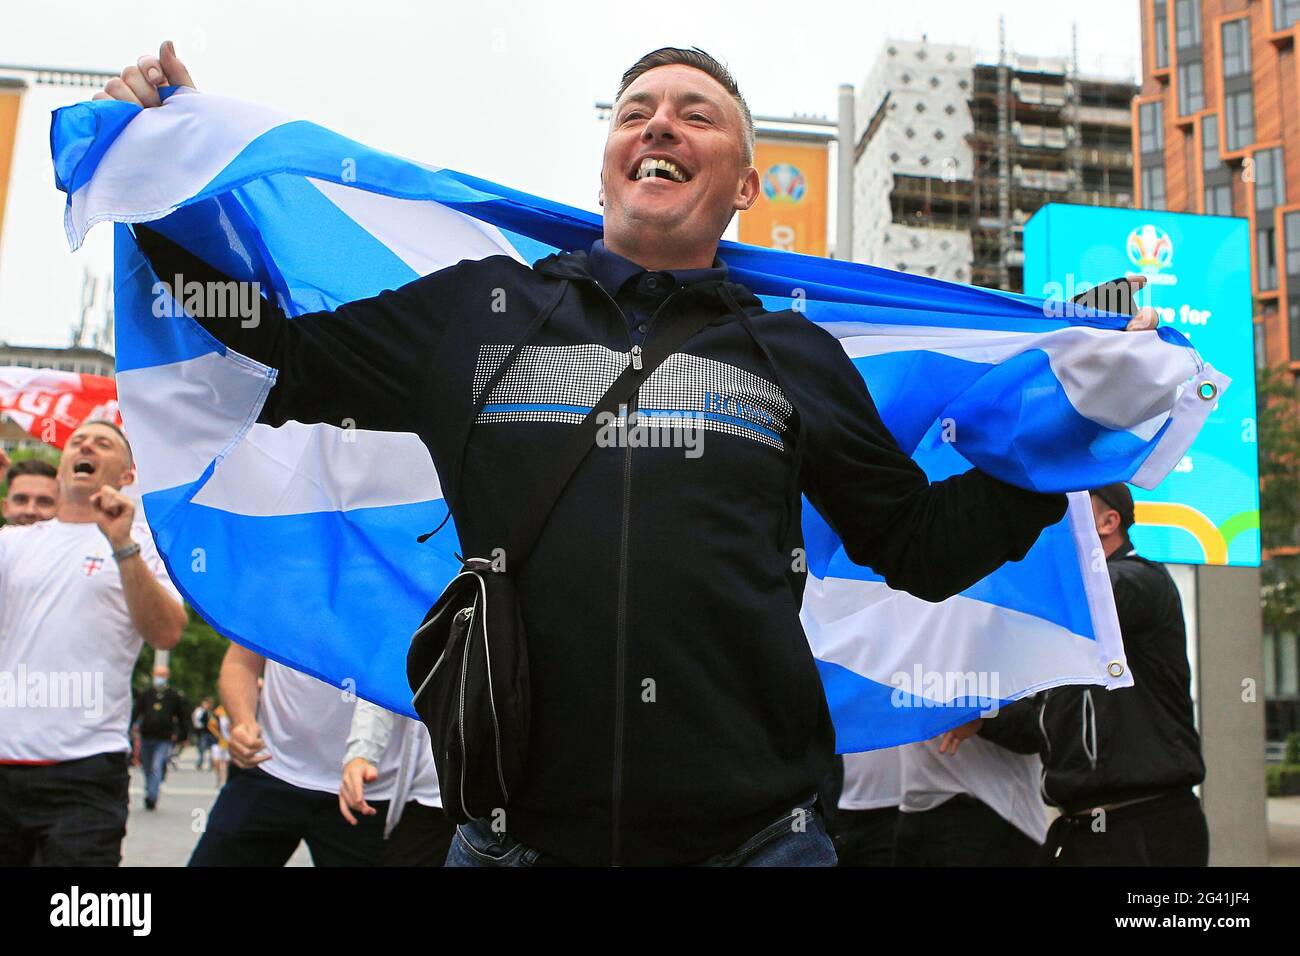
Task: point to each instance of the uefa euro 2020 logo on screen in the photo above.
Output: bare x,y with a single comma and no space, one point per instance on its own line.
1151,250
784,183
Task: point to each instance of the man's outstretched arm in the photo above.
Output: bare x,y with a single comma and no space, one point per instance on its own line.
366,361
932,540
363,364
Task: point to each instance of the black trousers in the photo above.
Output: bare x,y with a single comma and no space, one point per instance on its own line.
421,838
1168,831
71,813
961,831
259,820
864,837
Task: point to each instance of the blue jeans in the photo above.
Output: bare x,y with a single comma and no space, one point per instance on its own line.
203,745
794,839
154,755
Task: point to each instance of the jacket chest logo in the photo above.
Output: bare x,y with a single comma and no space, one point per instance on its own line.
562,383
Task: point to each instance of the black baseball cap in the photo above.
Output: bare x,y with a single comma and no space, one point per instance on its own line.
1118,497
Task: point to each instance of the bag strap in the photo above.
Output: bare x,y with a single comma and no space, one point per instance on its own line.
543,495
533,328
793,492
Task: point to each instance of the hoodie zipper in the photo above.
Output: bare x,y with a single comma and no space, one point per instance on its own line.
1047,742
620,644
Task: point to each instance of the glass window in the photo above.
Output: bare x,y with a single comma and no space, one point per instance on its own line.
1151,127
1210,143
1236,48
1239,120
1270,179
1291,223
1293,324
1161,34
1270,663
1261,351
1266,258
1287,673
1191,88
1153,188
1285,13
1218,200
1187,23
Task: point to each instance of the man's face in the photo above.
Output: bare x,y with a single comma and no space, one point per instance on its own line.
94,456
31,498
684,117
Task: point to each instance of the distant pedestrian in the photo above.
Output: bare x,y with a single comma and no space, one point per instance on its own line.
161,718
203,738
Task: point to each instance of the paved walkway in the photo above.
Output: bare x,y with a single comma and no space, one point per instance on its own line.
166,836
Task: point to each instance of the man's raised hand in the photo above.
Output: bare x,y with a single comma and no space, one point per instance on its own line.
139,82
1120,295
115,514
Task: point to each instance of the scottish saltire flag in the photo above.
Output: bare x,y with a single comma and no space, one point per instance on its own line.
305,550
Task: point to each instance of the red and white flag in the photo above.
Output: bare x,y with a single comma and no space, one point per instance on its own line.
49,405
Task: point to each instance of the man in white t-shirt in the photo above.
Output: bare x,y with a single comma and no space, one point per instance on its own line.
979,807
286,746
78,596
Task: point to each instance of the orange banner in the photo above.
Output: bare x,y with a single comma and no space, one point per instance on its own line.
791,210
10,96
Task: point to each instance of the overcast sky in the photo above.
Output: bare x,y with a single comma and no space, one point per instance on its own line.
499,88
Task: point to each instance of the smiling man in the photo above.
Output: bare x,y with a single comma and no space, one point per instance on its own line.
78,595
33,491
677,715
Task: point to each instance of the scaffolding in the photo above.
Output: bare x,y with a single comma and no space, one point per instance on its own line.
1031,130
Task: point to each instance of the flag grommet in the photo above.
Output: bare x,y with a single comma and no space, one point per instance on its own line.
1115,669
1208,391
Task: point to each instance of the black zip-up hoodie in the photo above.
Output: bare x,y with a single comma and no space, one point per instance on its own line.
1102,746
676,706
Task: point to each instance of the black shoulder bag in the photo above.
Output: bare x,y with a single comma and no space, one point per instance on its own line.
468,661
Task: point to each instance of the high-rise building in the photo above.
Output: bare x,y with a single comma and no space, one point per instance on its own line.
1216,132
955,154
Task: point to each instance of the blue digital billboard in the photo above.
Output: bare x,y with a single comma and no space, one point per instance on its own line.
1198,278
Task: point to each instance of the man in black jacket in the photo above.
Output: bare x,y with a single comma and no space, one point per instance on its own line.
677,714
161,717
1121,764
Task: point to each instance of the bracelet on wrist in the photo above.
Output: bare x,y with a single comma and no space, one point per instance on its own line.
130,551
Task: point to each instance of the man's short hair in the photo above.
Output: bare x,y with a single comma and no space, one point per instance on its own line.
126,442
32,466
697,58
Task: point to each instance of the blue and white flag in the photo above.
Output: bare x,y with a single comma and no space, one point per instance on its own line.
308,555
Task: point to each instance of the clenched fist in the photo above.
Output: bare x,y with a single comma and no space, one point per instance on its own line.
139,83
114,513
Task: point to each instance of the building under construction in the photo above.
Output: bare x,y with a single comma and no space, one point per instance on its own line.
955,155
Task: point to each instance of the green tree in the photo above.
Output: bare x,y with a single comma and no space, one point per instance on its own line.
1279,495
194,662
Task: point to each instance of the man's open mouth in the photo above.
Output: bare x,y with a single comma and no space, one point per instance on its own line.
83,467
660,169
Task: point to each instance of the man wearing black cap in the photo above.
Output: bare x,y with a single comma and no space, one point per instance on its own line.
1119,764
